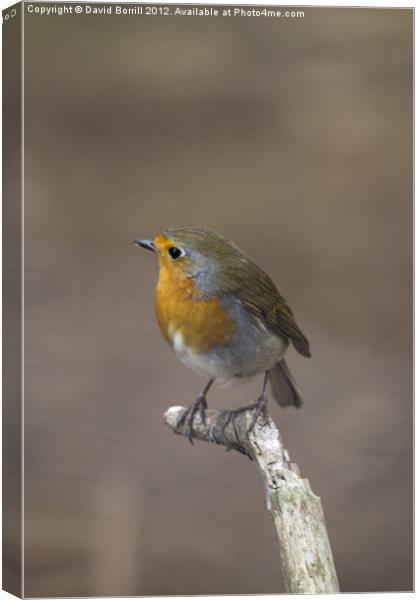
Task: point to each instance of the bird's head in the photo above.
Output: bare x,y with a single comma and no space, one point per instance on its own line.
194,252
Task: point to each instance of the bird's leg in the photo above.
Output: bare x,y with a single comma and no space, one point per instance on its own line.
259,405
199,405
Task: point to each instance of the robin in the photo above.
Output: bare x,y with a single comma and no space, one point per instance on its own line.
223,316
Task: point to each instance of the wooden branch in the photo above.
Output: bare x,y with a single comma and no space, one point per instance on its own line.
306,560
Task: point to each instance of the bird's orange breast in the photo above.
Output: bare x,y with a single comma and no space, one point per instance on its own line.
203,323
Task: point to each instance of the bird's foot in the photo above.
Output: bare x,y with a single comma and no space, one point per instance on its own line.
236,440
198,406
259,407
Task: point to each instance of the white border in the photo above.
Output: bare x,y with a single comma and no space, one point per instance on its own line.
320,3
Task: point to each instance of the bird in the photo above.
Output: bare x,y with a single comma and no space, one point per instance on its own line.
223,317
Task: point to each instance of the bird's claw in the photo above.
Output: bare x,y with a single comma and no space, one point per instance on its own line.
198,406
233,442
259,407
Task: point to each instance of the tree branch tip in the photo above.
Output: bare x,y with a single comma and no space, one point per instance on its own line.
172,411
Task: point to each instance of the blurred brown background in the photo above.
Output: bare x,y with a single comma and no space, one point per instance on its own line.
293,138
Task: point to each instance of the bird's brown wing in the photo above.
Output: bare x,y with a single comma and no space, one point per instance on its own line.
281,320
260,297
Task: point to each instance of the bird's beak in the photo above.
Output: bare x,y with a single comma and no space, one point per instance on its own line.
148,244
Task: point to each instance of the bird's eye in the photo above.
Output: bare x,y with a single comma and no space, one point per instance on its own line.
175,252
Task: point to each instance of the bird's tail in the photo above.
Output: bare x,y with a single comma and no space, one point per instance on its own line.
283,385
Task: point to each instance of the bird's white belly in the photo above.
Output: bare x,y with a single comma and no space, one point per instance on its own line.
226,363
207,365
